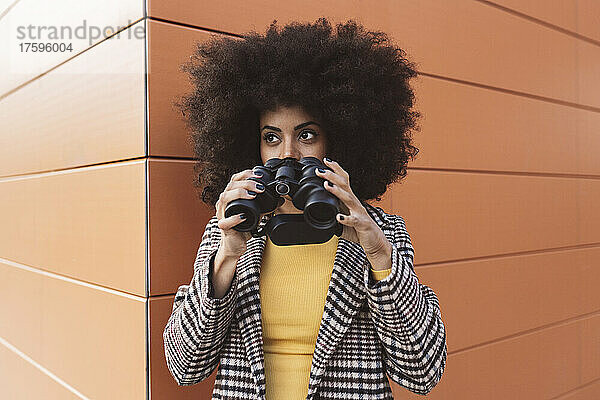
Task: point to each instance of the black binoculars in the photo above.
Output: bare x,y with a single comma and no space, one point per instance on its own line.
291,177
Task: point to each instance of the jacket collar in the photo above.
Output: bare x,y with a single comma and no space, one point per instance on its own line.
346,291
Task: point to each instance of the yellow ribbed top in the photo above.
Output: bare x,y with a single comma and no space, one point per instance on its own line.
293,286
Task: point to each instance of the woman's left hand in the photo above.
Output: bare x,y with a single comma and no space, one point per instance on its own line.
359,227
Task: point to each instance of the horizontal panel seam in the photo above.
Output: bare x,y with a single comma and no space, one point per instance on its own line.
22,85
576,389
527,332
38,174
78,282
41,368
546,24
512,92
513,254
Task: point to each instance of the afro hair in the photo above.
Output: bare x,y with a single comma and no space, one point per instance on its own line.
354,82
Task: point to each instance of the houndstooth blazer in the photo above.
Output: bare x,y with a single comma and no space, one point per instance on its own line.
369,328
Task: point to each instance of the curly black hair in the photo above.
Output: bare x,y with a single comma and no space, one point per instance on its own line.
355,83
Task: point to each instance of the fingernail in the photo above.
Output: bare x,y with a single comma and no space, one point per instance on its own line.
258,173
342,217
321,170
329,183
260,186
327,159
243,216
251,193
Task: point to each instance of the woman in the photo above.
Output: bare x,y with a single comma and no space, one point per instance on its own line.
312,321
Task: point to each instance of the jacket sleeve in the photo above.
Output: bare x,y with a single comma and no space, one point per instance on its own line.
407,318
199,322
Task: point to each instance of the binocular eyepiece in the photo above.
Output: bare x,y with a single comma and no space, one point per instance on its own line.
291,177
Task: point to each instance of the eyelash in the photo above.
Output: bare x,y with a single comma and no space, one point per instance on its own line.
266,135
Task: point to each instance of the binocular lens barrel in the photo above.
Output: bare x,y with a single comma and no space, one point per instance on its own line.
321,209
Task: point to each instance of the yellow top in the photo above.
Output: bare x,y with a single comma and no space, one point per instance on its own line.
293,286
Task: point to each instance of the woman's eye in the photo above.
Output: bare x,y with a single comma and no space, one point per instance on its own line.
267,136
303,134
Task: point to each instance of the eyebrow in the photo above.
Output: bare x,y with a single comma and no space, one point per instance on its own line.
296,128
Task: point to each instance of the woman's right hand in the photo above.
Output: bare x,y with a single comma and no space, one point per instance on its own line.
233,242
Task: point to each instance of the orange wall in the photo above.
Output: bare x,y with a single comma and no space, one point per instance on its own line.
100,223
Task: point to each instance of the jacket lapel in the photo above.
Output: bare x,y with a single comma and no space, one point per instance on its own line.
248,307
345,296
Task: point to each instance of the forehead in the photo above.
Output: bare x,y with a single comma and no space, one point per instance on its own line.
283,114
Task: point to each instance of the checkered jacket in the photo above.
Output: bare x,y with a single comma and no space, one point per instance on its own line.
369,328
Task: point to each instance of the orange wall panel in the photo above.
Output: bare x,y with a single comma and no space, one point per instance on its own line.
462,215
468,128
176,222
90,337
168,47
87,111
21,67
486,300
21,380
542,364
85,223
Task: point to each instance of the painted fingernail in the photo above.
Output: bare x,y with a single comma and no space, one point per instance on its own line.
251,193
327,159
243,216
329,183
258,173
260,186
342,217
321,170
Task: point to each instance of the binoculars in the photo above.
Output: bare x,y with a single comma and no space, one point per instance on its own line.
291,177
